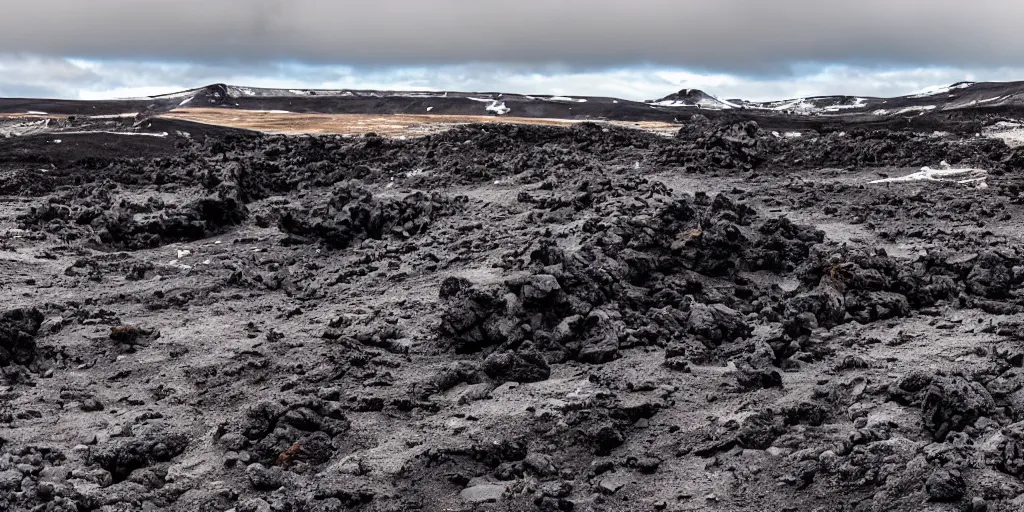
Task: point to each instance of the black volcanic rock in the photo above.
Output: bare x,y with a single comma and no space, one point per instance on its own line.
536,317
18,328
952,403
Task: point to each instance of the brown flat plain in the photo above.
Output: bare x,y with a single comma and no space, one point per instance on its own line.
394,125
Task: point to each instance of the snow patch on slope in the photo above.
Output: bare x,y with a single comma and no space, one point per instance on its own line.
921,109
703,101
941,89
906,110
800,105
115,116
857,103
566,98
136,134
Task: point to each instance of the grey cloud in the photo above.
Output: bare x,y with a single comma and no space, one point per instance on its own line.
739,36
34,76
20,90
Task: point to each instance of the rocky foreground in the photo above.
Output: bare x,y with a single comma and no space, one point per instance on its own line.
514,318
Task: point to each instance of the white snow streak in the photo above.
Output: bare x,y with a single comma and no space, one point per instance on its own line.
968,176
566,98
140,134
115,116
935,90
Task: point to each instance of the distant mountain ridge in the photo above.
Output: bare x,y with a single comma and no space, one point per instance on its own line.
960,95
964,102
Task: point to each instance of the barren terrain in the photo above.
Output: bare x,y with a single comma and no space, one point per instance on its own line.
559,315
290,123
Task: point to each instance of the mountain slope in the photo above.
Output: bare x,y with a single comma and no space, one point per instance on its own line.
963,107
957,96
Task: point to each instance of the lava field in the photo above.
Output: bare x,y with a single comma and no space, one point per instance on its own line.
506,317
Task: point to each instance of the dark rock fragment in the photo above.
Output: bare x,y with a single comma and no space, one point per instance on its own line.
263,478
952,403
517,367
122,456
946,485
716,323
18,328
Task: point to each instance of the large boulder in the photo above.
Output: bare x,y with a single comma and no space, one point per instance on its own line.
946,485
824,306
473,318
517,367
952,403
991,276
353,213
18,328
716,323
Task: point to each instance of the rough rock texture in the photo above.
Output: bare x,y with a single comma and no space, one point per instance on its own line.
18,328
512,318
950,404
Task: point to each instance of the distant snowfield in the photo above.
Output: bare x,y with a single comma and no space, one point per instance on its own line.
800,105
811,106
857,103
139,134
906,110
251,92
707,101
115,116
566,98
982,102
921,109
712,105
839,105
935,90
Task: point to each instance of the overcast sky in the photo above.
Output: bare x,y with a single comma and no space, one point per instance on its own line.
636,49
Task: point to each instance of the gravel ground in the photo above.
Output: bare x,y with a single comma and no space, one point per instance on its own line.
503,317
